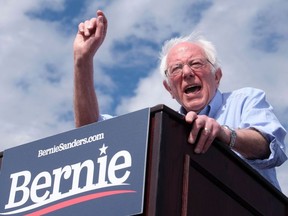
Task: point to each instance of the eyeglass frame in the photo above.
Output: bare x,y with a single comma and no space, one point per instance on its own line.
189,64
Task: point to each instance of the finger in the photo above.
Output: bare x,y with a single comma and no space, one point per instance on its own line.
197,126
190,117
206,139
193,135
101,27
191,138
206,131
105,22
100,13
81,28
86,28
207,144
92,23
203,136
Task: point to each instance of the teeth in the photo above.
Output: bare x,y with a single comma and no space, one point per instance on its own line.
192,89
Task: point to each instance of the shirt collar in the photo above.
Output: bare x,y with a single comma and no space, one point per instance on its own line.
215,104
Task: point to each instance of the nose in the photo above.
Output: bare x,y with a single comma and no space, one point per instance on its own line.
187,71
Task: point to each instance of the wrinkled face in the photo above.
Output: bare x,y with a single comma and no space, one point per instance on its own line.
193,89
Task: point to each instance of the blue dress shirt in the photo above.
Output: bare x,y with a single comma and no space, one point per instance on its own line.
248,108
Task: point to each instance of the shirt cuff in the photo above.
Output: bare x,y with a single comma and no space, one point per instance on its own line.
103,117
276,157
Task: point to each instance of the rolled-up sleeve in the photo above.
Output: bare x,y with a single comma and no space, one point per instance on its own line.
259,115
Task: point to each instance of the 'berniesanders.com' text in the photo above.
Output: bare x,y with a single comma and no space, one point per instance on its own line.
73,144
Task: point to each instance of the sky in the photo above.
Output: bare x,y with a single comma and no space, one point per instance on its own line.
36,57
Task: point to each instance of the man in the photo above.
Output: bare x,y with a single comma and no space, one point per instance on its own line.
242,119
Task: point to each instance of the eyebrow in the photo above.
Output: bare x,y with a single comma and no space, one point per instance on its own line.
201,58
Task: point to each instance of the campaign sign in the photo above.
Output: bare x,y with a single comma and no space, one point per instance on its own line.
97,169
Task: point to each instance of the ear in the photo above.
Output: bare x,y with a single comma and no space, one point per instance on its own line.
218,76
167,87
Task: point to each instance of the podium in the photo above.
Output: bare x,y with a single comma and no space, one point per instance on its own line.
179,182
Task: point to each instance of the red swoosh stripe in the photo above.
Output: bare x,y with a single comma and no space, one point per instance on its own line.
77,200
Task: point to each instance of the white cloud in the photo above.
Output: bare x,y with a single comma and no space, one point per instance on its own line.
150,92
32,100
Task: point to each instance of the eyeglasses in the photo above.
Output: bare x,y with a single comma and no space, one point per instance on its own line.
195,65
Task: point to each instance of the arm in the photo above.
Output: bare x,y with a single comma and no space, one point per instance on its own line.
249,142
89,38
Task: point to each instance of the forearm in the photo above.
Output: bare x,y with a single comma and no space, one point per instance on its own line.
250,144
91,34
86,108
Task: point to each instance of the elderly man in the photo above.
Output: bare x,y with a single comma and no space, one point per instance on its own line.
242,119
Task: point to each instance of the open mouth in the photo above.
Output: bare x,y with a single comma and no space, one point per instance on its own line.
192,89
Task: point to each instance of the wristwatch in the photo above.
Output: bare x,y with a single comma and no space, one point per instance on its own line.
233,136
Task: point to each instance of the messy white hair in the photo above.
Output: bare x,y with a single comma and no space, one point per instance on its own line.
207,46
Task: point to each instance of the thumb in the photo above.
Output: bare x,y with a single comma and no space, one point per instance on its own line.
101,29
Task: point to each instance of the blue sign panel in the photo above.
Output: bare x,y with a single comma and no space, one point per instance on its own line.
97,169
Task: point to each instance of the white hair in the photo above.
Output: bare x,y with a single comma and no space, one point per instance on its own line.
207,46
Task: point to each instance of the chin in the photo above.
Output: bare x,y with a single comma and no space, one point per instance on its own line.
194,107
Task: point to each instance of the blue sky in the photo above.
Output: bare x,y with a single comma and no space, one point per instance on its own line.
36,57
